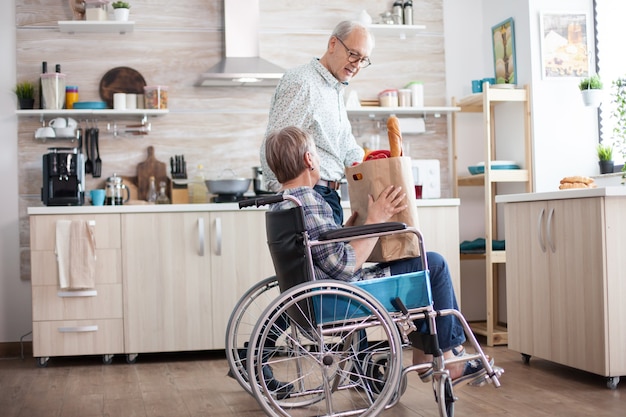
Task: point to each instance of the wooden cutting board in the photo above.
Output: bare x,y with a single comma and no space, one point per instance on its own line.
151,166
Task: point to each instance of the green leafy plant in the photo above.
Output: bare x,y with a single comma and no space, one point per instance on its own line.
120,5
605,152
592,83
24,90
619,114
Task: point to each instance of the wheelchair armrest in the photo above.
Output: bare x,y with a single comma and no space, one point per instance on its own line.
261,201
355,231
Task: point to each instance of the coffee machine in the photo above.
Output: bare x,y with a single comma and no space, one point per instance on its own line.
63,177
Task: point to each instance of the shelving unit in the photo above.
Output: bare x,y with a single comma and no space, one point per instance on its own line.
106,26
485,104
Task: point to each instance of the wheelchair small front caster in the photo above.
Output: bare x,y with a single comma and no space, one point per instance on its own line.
131,358
107,359
525,359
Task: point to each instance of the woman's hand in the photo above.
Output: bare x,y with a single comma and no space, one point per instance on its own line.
389,202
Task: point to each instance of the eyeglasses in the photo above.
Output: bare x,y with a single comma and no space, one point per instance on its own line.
354,57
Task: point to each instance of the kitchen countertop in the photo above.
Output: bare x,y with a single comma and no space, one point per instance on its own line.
616,191
172,208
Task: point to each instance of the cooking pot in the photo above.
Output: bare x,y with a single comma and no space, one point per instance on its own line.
236,186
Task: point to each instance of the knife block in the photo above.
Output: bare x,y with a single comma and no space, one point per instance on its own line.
178,193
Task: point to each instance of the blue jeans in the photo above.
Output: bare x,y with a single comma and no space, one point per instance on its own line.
333,200
450,332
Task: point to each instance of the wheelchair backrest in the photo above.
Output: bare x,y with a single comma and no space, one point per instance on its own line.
285,237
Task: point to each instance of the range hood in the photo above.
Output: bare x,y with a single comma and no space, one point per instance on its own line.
242,65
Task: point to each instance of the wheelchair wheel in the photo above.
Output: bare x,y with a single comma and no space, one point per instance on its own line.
241,323
317,360
444,395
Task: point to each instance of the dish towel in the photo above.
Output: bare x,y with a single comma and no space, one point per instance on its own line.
76,254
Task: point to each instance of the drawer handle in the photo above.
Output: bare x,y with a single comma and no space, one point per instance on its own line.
85,293
78,329
549,230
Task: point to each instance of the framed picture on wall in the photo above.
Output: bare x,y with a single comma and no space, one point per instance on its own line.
564,45
503,38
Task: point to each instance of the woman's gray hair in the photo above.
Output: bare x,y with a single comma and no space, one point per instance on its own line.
343,29
285,150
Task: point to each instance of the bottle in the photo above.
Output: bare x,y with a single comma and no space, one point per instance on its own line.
162,198
57,68
44,70
396,12
408,12
71,96
152,192
198,191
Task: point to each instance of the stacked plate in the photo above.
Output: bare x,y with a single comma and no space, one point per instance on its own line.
479,168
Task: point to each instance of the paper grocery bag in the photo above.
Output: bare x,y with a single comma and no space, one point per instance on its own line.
372,177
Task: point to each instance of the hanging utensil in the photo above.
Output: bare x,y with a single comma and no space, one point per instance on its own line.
88,162
97,167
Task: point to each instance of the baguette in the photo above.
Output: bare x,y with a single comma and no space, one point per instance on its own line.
395,137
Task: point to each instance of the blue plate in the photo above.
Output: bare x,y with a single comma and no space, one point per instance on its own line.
480,169
90,105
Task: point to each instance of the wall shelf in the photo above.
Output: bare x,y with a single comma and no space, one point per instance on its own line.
87,112
401,31
96,26
374,112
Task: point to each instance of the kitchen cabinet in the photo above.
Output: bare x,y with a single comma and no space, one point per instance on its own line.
184,272
485,104
565,286
87,322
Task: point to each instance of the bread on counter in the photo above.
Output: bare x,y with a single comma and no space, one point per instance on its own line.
576,181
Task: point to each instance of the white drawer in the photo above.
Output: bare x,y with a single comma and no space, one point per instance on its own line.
51,303
78,337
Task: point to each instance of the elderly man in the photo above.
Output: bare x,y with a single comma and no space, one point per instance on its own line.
311,98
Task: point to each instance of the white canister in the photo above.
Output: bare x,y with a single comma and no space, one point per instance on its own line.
417,93
131,101
404,97
119,101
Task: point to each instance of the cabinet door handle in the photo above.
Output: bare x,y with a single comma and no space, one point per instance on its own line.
78,329
549,230
218,236
200,236
540,230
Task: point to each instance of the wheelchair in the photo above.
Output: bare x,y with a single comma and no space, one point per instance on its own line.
306,346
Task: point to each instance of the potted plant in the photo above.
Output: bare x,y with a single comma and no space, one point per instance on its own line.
121,10
591,90
605,156
25,92
619,114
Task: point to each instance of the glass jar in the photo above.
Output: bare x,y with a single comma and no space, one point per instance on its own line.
71,96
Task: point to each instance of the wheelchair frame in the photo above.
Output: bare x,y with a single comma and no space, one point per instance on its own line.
331,365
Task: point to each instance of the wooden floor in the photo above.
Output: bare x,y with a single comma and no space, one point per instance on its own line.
195,384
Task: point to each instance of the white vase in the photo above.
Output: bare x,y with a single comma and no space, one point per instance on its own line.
121,15
591,97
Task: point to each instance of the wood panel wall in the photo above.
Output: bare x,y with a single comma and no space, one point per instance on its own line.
218,128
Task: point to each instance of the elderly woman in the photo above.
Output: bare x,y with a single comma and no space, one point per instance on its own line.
292,156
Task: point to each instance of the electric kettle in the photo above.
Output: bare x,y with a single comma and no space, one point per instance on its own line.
114,191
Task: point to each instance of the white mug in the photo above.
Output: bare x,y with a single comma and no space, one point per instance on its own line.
71,123
58,122
119,101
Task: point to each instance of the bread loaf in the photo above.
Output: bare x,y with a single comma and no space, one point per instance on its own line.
395,137
576,181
